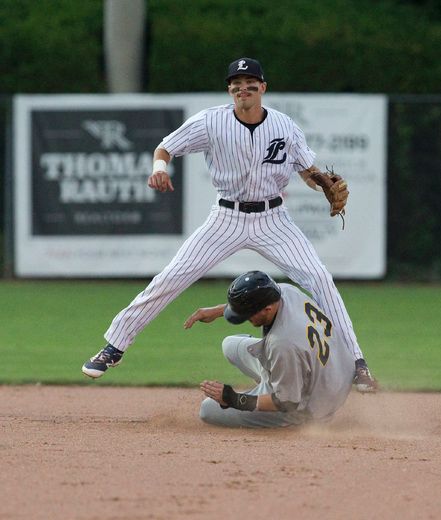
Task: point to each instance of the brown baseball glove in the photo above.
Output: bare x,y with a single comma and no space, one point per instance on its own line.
335,189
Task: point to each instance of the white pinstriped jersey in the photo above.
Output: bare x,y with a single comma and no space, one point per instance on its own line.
244,165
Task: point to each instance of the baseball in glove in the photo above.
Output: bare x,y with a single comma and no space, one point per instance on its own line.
335,190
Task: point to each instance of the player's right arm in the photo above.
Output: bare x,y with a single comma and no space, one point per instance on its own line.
227,397
205,314
190,137
160,179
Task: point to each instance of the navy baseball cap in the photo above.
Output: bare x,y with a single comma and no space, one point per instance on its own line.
246,66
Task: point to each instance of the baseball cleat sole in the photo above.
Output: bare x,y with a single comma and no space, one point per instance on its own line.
96,373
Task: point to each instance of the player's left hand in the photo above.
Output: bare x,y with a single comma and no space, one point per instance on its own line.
339,195
335,189
214,390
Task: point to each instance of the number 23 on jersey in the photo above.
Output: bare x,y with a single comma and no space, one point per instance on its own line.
316,338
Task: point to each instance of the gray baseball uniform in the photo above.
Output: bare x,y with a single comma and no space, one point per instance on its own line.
301,360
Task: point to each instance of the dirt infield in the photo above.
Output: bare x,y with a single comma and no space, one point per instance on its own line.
95,453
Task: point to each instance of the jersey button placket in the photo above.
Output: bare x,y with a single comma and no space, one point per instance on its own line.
256,169
249,147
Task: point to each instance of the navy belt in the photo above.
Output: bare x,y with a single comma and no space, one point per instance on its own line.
251,207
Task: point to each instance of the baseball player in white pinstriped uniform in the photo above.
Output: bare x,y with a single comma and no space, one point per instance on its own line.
251,152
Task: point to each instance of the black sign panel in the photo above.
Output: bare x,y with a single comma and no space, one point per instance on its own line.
90,169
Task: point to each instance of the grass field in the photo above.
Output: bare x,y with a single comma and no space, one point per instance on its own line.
49,328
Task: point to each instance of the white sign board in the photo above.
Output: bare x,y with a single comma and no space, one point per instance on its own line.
80,208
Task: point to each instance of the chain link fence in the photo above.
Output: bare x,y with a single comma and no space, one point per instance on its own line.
414,185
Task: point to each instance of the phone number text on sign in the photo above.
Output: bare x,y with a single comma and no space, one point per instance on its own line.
337,142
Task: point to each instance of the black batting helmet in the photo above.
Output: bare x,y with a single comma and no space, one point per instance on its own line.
249,294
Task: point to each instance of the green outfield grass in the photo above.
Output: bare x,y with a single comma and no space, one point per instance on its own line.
49,328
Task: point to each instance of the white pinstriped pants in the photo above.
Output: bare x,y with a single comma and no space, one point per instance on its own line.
271,233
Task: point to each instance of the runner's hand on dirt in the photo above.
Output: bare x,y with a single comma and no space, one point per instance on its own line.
214,390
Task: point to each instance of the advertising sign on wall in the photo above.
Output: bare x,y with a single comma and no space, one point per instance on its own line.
89,173
82,207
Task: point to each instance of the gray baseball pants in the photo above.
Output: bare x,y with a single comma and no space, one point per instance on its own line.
235,350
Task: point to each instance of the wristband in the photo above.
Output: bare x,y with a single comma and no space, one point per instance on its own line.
244,402
159,166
